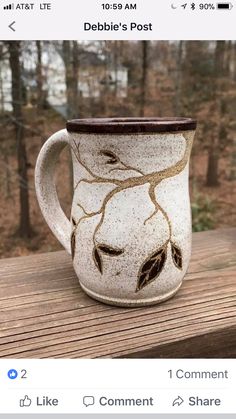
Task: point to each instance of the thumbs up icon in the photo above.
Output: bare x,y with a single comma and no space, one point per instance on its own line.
26,402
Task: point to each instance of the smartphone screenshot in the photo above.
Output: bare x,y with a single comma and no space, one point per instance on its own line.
118,209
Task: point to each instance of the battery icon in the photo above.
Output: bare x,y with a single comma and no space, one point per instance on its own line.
224,6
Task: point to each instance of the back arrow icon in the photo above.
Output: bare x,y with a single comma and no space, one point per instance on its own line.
11,26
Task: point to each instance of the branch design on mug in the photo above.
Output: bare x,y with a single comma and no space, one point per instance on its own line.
154,264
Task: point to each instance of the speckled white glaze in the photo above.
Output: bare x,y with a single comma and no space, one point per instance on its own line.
131,198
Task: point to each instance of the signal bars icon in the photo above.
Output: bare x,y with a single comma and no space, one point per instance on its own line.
9,7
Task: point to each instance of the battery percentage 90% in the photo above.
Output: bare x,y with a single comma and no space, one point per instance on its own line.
207,6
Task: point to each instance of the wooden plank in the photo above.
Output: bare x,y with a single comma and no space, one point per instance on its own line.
219,344
44,312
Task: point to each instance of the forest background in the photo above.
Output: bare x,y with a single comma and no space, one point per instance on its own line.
42,84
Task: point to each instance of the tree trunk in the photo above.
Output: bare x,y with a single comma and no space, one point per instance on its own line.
178,79
220,69
234,61
75,65
143,92
24,230
116,65
212,169
233,161
7,173
2,99
1,92
228,49
71,61
39,76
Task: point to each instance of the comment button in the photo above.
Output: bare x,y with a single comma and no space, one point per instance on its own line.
88,401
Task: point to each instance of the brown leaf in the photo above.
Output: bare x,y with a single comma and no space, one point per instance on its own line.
176,256
113,159
109,154
152,267
72,242
111,251
97,259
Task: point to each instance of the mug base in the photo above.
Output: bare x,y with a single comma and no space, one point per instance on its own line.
122,302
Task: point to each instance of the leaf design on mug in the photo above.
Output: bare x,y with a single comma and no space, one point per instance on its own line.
97,259
72,243
107,250
112,158
73,221
111,251
176,255
152,267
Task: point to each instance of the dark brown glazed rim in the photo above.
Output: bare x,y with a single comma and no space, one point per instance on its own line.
130,125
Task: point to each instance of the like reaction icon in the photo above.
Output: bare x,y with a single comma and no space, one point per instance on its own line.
12,374
26,402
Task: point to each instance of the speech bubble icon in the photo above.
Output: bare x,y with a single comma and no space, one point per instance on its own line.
88,401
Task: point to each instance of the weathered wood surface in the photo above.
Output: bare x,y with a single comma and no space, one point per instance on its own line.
44,313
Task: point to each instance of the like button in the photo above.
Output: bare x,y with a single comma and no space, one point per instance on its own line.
26,402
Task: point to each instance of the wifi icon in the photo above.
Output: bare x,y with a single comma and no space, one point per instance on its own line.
9,6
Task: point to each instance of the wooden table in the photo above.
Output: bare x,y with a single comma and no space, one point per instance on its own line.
44,313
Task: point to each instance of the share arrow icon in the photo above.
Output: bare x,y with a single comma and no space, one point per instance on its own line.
178,401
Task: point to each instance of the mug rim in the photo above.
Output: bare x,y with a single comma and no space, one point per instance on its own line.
131,125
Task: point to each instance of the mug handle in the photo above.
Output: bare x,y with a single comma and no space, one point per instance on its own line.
46,188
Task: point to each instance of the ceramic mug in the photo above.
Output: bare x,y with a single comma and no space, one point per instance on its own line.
130,229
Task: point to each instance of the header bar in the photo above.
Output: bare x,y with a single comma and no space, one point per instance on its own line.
118,20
